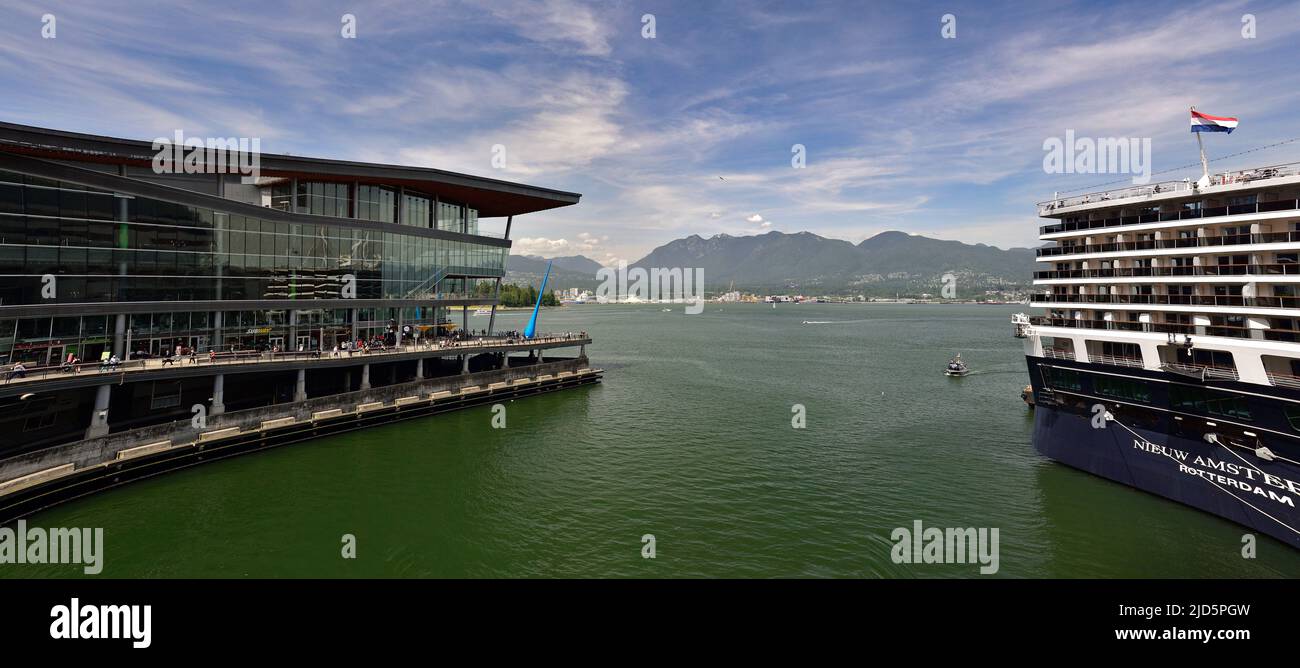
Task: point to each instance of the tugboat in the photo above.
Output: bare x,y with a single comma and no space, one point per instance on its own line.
956,367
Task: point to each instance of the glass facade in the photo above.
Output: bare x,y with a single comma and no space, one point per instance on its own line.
376,203
415,211
102,247
323,199
164,251
48,340
450,217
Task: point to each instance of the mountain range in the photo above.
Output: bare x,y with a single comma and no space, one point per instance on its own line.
886,263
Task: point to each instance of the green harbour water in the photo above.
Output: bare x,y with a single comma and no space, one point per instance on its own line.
689,438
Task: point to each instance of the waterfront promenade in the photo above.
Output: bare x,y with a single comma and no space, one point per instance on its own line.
246,358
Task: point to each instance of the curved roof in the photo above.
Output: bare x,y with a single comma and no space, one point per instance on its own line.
491,197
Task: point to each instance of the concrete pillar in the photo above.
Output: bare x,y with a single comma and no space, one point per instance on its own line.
218,395
365,376
119,336
217,319
505,360
540,358
419,369
292,343
392,374
354,325
464,363
99,417
300,393
582,350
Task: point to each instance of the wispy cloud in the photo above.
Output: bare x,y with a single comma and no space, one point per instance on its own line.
687,133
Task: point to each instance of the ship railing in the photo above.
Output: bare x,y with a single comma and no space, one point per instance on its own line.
1166,244
1186,185
1171,216
1233,331
1204,370
1284,380
1170,300
1058,353
1253,269
1116,360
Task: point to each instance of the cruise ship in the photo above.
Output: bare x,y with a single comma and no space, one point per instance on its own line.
1168,357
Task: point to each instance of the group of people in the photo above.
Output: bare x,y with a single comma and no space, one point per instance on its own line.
110,361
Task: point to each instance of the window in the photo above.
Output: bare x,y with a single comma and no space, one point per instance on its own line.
1121,388
450,217
1130,351
1061,379
1208,401
415,211
1293,416
376,203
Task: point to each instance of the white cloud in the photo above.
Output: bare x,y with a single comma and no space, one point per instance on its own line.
560,23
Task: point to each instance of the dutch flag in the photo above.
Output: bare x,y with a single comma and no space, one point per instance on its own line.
1207,123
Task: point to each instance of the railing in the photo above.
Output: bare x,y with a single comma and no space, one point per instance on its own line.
1172,300
433,281
1203,370
226,359
1058,353
1189,242
1288,269
1167,216
1116,360
1241,176
1284,379
1232,331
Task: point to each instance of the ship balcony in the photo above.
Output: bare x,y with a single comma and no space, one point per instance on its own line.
1284,380
1058,353
1115,360
1173,244
1227,331
1119,222
1172,300
1262,271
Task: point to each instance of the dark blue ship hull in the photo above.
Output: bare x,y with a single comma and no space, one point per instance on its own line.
1152,450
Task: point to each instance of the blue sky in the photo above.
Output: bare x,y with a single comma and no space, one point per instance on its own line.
690,132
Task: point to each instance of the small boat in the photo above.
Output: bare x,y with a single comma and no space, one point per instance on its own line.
1027,395
666,310
956,367
483,311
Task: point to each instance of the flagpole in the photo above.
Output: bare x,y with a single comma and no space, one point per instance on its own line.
1205,164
